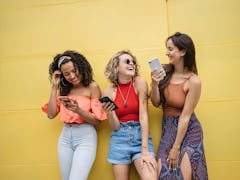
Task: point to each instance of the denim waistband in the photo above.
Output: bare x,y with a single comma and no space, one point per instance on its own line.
130,123
76,124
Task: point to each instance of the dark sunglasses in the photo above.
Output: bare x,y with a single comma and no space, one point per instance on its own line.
127,61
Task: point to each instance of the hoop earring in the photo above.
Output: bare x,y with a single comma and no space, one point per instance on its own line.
63,82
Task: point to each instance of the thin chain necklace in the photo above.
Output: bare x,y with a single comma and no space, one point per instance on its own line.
125,100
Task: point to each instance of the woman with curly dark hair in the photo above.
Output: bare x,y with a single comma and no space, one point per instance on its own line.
181,153
79,108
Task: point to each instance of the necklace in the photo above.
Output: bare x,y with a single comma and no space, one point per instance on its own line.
125,99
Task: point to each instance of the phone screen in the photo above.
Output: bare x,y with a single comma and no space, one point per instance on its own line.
155,64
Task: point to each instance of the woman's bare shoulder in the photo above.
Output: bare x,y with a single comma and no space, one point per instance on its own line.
109,91
194,80
140,81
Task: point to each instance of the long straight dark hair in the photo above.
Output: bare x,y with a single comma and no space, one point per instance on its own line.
182,42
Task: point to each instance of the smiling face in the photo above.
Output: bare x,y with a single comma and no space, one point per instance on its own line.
174,54
70,73
127,65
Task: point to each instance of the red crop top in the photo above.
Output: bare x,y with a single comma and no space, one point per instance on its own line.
131,111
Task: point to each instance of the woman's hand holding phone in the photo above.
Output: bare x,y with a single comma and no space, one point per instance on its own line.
67,102
64,98
70,104
156,67
157,73
108,105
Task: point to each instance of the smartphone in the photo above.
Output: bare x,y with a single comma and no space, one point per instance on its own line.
155,64
106,99
64,98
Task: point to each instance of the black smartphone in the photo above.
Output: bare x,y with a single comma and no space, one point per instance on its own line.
106,99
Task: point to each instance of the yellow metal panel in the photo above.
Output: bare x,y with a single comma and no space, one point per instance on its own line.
214,27
32,33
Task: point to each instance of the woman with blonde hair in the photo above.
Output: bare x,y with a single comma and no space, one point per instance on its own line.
130,140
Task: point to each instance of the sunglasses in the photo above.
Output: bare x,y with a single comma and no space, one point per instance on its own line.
127,61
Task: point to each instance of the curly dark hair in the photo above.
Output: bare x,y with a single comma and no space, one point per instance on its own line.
182,42
80,63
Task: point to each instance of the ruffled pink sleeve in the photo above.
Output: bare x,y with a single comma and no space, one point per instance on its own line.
97,111
45,106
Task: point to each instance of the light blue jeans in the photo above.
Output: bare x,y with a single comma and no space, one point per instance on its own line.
77,151
126,144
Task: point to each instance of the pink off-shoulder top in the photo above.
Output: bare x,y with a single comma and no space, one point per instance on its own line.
85,103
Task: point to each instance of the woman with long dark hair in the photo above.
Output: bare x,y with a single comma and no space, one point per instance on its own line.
181,153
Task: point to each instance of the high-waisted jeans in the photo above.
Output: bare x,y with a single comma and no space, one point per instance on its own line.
77,151
126,144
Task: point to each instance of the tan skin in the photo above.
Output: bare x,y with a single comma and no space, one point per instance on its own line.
193,89
146,165
74,77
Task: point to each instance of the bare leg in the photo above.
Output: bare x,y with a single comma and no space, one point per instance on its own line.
159,167
186,167
121,171
147,172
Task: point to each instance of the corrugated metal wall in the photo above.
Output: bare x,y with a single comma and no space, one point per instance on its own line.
214,25
32,32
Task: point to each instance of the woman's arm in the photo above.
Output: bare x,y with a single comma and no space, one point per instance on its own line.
192,98
142,90
156,77
108,108
52,103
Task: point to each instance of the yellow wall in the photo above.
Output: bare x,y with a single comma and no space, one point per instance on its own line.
32,32
214,26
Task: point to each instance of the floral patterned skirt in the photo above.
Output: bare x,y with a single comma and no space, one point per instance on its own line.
192,145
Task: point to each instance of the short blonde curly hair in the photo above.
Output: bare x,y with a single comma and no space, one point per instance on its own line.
111,69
